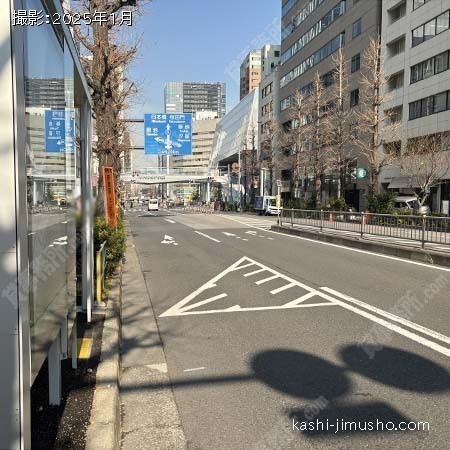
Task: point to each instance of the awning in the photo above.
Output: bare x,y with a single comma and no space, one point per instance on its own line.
401,183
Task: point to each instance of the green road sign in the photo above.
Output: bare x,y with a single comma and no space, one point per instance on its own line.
361,173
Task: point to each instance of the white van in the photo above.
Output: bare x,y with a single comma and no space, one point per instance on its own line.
153,204
410,203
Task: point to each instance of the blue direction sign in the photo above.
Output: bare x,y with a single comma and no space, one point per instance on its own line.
168,134
59,131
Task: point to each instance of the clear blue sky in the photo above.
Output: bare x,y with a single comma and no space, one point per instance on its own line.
199,40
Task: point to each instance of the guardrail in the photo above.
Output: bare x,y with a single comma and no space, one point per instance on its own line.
100,266
425,229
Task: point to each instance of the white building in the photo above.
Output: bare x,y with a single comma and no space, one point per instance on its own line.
416,46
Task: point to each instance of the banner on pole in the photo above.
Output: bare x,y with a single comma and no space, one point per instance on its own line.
110,196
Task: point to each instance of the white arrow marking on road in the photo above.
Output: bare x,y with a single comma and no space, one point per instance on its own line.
169,220
251,232
168,240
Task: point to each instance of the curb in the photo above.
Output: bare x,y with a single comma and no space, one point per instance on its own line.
414,254
103,432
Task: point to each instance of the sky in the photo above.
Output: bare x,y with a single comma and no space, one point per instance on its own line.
199,40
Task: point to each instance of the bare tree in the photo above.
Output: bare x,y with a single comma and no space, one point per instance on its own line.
296,140
249,162
316,136
107,51
339,122
369,116
426,161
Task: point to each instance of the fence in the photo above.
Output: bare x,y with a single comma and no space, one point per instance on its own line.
100,266
425,229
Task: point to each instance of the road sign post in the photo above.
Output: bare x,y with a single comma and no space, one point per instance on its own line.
278,201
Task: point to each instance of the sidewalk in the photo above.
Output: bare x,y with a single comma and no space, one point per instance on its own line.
150,417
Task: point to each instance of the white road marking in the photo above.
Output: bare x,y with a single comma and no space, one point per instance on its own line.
414,326
194,370
254,273
350,249
207,237
185,308
266,280
408,334
333,298
205,302
169,240
283,288
169,220
228,234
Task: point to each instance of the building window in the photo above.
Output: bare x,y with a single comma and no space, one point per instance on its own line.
396,47
396,81
419,3
430,67
430,29
328,49
354,98
356,62
398,12
314,31
356,28
429,105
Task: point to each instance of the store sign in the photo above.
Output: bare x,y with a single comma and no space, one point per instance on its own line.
361,173
59,131
168,134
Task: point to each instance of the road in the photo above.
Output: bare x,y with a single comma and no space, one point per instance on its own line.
266,334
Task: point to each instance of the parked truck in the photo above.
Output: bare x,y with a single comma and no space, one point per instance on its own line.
267,205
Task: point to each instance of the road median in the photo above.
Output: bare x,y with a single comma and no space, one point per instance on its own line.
400,251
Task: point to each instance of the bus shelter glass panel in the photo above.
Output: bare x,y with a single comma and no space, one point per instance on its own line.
51,182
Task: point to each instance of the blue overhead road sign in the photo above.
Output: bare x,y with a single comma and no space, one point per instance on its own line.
59,131
168,134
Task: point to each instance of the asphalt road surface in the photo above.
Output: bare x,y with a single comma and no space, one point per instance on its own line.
279,342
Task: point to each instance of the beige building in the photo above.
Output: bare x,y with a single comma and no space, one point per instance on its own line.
416,44
195,165
250,73
312,31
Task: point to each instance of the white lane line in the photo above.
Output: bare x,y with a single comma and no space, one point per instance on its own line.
207,237
169,220
228,234
237,308
408,334
349,249
414,326
300,300
254,273
283,288
204,302
266,280
194,369
244,266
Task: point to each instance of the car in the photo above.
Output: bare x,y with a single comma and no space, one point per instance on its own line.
153,204
411,203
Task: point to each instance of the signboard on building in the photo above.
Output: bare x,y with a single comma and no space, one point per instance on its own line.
168,134
110,196
59,130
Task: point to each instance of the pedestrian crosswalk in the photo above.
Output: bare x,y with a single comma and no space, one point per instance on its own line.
255,222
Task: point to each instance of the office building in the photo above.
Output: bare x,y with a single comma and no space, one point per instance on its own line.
192,97
312,31
416,44
250,73
269,101
196,165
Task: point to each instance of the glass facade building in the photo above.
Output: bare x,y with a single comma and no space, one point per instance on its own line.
192,97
